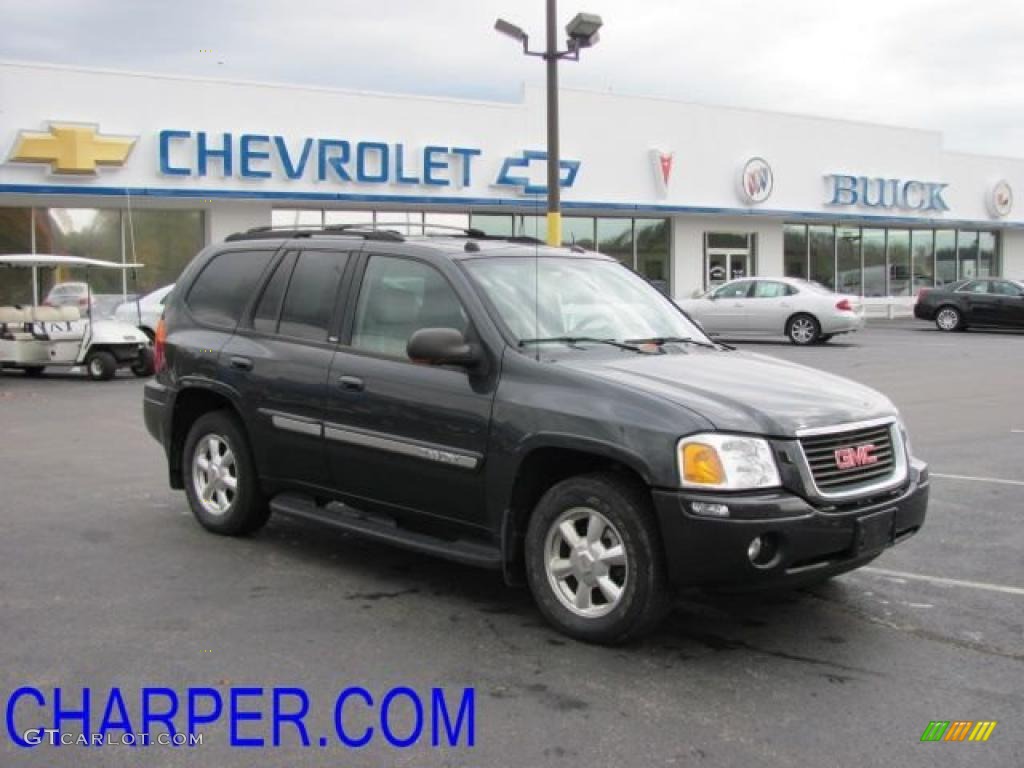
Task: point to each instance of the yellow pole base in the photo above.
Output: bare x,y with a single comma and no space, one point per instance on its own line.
554,228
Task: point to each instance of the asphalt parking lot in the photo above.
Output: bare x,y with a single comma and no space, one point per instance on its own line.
105,579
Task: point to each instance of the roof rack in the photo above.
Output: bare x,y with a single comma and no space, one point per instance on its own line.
367,232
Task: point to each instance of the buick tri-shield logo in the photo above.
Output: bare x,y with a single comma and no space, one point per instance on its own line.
1000,199
756,181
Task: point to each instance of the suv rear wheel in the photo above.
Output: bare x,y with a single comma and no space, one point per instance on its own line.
594,560
220,479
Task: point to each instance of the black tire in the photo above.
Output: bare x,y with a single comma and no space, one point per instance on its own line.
100,365
145,364
949,318
33,371
247,510
644,598
825,338
803,329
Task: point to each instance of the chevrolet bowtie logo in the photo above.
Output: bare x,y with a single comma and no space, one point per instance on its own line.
72,148
509,176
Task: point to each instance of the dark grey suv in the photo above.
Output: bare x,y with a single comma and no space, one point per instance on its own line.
541,411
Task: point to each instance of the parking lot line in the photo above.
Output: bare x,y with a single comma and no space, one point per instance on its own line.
977,479
949,582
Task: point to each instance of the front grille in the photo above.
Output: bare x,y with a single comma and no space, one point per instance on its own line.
834,473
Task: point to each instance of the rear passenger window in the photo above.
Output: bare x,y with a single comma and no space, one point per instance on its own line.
269,307
224,287
312,293
764,289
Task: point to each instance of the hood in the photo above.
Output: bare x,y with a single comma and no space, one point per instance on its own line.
116,332
742,392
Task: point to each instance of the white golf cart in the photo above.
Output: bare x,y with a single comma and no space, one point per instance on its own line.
34,337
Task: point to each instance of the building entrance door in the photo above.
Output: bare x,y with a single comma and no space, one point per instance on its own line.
724,264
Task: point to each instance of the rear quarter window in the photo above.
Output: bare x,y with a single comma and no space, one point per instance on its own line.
220,292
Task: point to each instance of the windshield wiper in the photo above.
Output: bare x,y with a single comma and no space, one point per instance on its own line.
572,340
660,340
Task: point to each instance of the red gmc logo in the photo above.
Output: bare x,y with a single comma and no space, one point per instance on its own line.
859,456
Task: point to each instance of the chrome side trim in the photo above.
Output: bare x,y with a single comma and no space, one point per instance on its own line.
900,470
425,451
289,422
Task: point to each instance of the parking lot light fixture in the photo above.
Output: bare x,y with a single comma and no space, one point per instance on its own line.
583,33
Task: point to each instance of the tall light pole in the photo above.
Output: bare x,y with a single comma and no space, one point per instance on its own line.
583,33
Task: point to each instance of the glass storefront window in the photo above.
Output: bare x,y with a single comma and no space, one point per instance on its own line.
898,249
848,277
922,250
578,230
988,257
615,238
296,217
94,233
823,255
873,249
165,241
653,249
727,240
532,226
945,257
460,220
338,218
794,246
16,237
967,253
498,224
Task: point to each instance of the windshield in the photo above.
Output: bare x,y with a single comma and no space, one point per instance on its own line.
579,298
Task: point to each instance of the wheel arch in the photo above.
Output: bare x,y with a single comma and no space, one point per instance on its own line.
191,403
541,467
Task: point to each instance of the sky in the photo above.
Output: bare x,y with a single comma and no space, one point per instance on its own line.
953,66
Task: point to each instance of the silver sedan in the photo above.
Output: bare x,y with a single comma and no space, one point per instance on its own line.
803,311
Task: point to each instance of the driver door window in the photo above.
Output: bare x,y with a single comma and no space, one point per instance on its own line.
399,297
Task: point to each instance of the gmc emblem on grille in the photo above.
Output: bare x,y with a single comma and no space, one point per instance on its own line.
859,456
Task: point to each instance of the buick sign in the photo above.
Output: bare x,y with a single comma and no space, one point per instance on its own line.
910,195
1000,199
756,181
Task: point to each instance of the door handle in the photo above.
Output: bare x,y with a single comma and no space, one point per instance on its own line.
351,383
241,363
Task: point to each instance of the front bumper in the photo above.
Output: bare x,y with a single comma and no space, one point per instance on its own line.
809,543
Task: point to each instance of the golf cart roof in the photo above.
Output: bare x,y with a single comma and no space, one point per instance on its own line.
49,260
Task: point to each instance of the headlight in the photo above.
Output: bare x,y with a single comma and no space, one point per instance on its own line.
726,462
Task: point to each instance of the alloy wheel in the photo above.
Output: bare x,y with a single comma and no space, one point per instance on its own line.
585,562
947,319
214,474
802,330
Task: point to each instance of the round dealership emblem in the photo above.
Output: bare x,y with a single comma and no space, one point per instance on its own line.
756,181
1000,199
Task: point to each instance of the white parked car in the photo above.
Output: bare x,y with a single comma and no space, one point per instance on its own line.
147,314
804,311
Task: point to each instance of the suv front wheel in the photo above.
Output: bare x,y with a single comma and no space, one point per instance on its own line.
594,562
220,479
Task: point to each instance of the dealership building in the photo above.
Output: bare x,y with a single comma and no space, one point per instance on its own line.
146,167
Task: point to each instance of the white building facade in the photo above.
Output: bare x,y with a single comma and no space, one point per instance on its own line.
151,168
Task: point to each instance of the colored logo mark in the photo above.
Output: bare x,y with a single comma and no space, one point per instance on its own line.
756,180
662,169
71,148
959,730
567,172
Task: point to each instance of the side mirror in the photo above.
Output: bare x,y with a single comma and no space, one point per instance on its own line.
442,346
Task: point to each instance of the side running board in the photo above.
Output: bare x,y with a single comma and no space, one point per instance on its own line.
382,529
